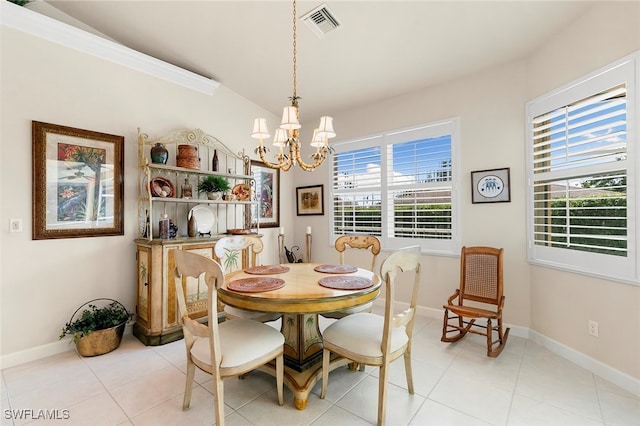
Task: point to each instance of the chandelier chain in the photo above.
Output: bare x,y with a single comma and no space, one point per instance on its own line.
287,135
295,66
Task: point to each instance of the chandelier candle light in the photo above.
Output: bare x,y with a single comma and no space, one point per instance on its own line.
288,132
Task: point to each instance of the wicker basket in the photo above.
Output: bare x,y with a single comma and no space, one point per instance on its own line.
188,157
100,341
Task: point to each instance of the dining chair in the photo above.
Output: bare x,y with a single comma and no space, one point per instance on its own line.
371,339
346,243
236,252
481,283
230,348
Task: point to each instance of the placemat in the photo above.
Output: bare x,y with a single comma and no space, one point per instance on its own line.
336,269
345,283
267,269
255,284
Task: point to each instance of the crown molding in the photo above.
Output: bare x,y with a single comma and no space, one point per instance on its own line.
33,23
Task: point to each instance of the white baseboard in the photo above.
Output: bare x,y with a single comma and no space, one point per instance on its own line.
43,351
618,378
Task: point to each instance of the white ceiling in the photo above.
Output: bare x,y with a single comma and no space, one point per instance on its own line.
381,49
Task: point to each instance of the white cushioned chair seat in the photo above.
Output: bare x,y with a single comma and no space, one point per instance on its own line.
236,348
234,313
362,333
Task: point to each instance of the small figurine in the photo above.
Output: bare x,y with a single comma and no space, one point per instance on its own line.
173,229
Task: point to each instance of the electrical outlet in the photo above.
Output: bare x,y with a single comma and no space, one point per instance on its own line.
593,328
15,225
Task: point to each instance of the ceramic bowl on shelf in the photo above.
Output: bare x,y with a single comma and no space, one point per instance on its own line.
162,187
241,192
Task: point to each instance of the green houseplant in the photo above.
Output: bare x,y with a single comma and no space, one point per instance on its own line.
97,330
213,184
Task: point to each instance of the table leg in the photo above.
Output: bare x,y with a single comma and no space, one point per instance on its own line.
301,382
303,355
303,341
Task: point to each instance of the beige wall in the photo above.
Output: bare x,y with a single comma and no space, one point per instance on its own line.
491,107
562,303
43,282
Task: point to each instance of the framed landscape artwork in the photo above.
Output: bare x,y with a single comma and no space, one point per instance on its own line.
267,194
310,200
78,182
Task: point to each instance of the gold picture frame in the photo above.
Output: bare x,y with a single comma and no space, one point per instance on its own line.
78,182
310,200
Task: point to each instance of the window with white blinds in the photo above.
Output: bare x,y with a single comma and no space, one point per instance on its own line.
399,187
581,158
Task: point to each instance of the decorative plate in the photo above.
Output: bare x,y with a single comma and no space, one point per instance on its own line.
162,187
267,269
255,284
205,218
336,269
240,231
242,192
345,283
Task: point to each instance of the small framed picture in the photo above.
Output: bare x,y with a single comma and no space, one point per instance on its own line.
310,200
490,186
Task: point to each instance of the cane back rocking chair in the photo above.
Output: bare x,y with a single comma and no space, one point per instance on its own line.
481,282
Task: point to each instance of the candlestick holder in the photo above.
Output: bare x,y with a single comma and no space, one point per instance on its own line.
281,254
308,248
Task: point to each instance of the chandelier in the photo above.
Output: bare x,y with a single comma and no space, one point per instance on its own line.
287,135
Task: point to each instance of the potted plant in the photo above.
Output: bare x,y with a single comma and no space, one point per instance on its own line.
214,186
97,330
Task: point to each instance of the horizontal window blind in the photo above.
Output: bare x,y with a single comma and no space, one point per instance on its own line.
398,186
581,175
584,211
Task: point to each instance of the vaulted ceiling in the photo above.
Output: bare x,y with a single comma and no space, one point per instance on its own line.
381,49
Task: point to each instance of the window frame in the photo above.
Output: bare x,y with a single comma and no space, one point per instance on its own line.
618,268
385,140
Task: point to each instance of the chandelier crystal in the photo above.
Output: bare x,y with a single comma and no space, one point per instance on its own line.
287,135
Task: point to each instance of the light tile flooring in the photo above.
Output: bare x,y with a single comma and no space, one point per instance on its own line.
455,384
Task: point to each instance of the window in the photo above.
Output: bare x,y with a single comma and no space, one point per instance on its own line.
581,164
399,186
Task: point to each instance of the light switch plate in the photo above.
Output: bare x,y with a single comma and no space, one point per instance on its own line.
15,225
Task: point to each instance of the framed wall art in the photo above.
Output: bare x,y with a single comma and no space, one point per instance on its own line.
310,200
490,186
78,182
267,195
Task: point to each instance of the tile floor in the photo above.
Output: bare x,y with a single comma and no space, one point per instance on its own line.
455,384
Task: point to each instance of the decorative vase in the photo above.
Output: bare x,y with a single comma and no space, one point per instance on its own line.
159,154
192,226
214,195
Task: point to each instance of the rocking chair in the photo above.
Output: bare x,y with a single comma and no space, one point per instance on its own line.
480,281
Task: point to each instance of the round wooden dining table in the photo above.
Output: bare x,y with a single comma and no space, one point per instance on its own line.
300,292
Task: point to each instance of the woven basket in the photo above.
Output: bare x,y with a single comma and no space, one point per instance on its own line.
103,341
188,157
100,341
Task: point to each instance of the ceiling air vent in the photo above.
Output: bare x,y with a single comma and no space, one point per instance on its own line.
320,20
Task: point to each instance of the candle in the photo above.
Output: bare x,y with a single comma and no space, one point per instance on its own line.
308,229
282,230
